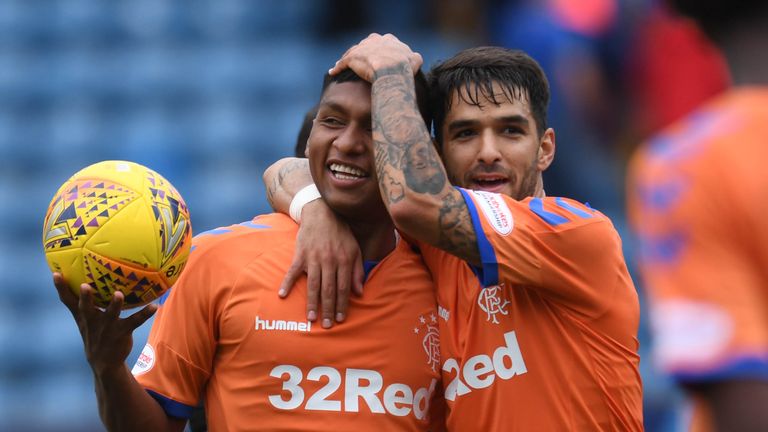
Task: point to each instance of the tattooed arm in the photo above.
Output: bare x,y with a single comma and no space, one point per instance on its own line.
412,179
283,179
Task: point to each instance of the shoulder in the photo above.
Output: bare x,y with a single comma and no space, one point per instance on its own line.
575,225
505,214
559,213
555,221
737,116
700,159
240,243
219,257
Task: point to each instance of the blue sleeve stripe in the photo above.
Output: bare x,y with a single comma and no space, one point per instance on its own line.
217,231
250,224
575,210
537,206
171,407
663,249
489,272
737,368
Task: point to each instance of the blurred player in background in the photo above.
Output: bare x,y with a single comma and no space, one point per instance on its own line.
538,315
224,336
697,199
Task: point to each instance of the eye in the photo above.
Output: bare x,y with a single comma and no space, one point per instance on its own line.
513,130
464,134
331,122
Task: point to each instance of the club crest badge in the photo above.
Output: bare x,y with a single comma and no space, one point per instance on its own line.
493,302
426,327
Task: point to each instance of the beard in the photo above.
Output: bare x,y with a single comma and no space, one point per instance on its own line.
525,188
527,183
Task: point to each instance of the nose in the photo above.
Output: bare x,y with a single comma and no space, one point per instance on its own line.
352,139
489,149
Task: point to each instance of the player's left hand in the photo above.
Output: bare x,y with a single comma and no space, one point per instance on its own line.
327,251
377,52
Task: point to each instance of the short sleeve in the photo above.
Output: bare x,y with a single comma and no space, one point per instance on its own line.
566,250
176,362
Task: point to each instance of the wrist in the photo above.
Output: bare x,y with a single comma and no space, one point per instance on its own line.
392,66
303,197
109,373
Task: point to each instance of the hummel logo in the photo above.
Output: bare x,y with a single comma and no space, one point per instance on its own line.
443,312
282,325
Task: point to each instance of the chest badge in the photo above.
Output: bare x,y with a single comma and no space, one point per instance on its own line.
493,302
430,339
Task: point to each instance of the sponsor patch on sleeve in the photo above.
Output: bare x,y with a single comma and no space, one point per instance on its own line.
145,361
495,210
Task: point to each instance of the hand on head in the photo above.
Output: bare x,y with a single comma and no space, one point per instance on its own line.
375,53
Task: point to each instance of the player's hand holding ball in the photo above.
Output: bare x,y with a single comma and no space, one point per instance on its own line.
116,235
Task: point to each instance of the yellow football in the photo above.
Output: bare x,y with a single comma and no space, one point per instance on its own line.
118,226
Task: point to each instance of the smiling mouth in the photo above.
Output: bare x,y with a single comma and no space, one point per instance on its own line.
346,172
490,182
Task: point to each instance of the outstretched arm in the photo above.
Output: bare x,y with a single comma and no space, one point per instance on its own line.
412,179
326,250
123,404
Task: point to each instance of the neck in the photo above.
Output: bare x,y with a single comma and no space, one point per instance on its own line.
745,49
376,239
539,191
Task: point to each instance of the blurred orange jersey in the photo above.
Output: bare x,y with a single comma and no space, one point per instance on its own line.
550,343
224,336
697,200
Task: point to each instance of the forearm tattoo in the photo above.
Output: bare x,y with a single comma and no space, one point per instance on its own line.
277,186
407,162
398,127
457,234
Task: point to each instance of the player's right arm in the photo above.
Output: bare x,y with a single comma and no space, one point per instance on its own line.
123,404
283,179
326,250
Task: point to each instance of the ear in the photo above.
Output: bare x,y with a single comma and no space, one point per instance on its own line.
306,149
546,150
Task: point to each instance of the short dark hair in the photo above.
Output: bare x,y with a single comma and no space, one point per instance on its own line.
717,17
473,72
420,83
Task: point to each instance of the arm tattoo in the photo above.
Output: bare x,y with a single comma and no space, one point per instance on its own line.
395,123
278,183
407,162
291,166
457,233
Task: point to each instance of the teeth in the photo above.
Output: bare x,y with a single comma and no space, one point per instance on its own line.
340,171
344,176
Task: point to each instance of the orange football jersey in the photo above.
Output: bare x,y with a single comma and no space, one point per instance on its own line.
541,337
225,337
697,201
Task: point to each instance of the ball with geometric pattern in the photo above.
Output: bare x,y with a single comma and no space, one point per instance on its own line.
118,226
